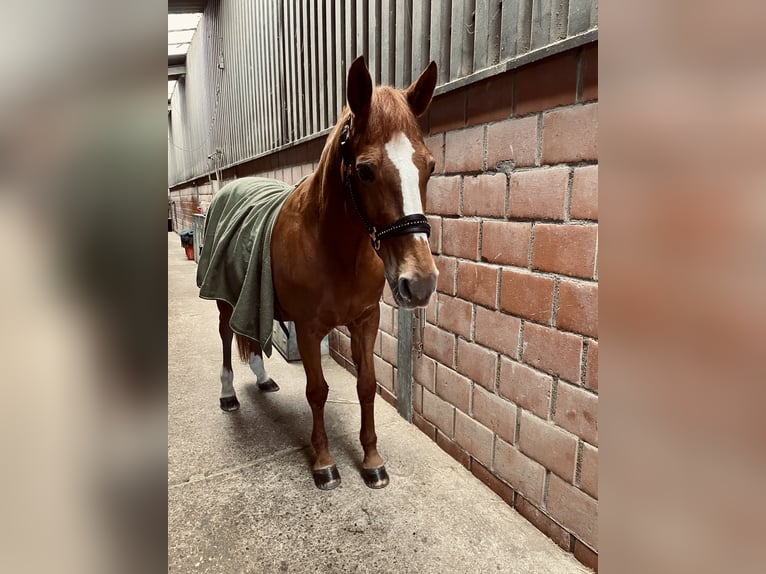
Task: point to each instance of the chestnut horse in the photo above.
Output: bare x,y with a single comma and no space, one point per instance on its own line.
356,220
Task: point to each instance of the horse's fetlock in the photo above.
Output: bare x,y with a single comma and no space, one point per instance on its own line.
369,442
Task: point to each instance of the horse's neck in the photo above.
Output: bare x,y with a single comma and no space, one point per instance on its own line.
339,230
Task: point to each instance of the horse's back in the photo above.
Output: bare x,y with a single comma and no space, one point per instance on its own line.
245,191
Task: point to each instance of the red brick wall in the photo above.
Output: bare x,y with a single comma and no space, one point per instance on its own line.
508,384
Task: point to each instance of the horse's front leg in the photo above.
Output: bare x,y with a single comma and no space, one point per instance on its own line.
363,333
325,472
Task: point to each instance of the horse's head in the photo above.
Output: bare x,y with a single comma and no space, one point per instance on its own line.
391,167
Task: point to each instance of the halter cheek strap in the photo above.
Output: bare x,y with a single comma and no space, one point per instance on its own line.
415,223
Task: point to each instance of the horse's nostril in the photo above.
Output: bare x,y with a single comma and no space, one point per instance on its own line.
404,288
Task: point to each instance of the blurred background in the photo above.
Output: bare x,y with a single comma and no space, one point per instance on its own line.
83,198
683,273
82,288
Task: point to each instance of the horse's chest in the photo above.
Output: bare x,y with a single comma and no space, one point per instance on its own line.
332,299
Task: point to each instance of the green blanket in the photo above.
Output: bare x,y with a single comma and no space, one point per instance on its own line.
235,262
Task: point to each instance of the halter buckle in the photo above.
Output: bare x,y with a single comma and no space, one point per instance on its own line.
344,134
374,239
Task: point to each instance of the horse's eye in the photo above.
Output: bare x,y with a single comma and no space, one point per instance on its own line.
365,171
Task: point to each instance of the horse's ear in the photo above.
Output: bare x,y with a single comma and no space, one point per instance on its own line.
359,87
421,90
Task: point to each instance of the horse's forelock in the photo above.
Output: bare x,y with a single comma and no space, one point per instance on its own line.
389,113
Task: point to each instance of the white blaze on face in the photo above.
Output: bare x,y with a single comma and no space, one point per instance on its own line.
400,150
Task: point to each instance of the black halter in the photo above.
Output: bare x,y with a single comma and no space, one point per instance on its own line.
415,223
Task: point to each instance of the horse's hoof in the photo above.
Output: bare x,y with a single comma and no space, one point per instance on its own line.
326,478
229,404
375,477
268,386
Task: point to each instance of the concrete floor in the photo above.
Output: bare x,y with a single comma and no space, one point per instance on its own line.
240,493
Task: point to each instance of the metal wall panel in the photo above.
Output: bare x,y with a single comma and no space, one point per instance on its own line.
403,35
462,39
299,68
375,37
441,15
332,59
421,33
260,97
365,19
263,73
581,16
387,41
340,57
541,23
486,47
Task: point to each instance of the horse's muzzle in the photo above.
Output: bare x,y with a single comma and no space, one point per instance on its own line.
415,290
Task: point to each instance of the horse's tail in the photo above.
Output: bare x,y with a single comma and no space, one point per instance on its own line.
245,346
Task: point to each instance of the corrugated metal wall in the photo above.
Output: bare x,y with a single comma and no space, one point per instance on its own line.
265,73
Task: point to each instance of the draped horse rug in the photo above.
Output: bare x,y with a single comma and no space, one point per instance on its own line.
235,262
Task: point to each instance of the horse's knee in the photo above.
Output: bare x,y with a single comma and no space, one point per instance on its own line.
225,331
224,315
317,394
366,389
366,396
356,354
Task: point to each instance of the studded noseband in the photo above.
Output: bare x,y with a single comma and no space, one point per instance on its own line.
415,223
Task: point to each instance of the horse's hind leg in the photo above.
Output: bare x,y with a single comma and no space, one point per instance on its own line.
363,333
265,383
228,398
325,472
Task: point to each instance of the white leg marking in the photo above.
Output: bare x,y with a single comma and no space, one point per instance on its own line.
256,365
400,151
227,383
